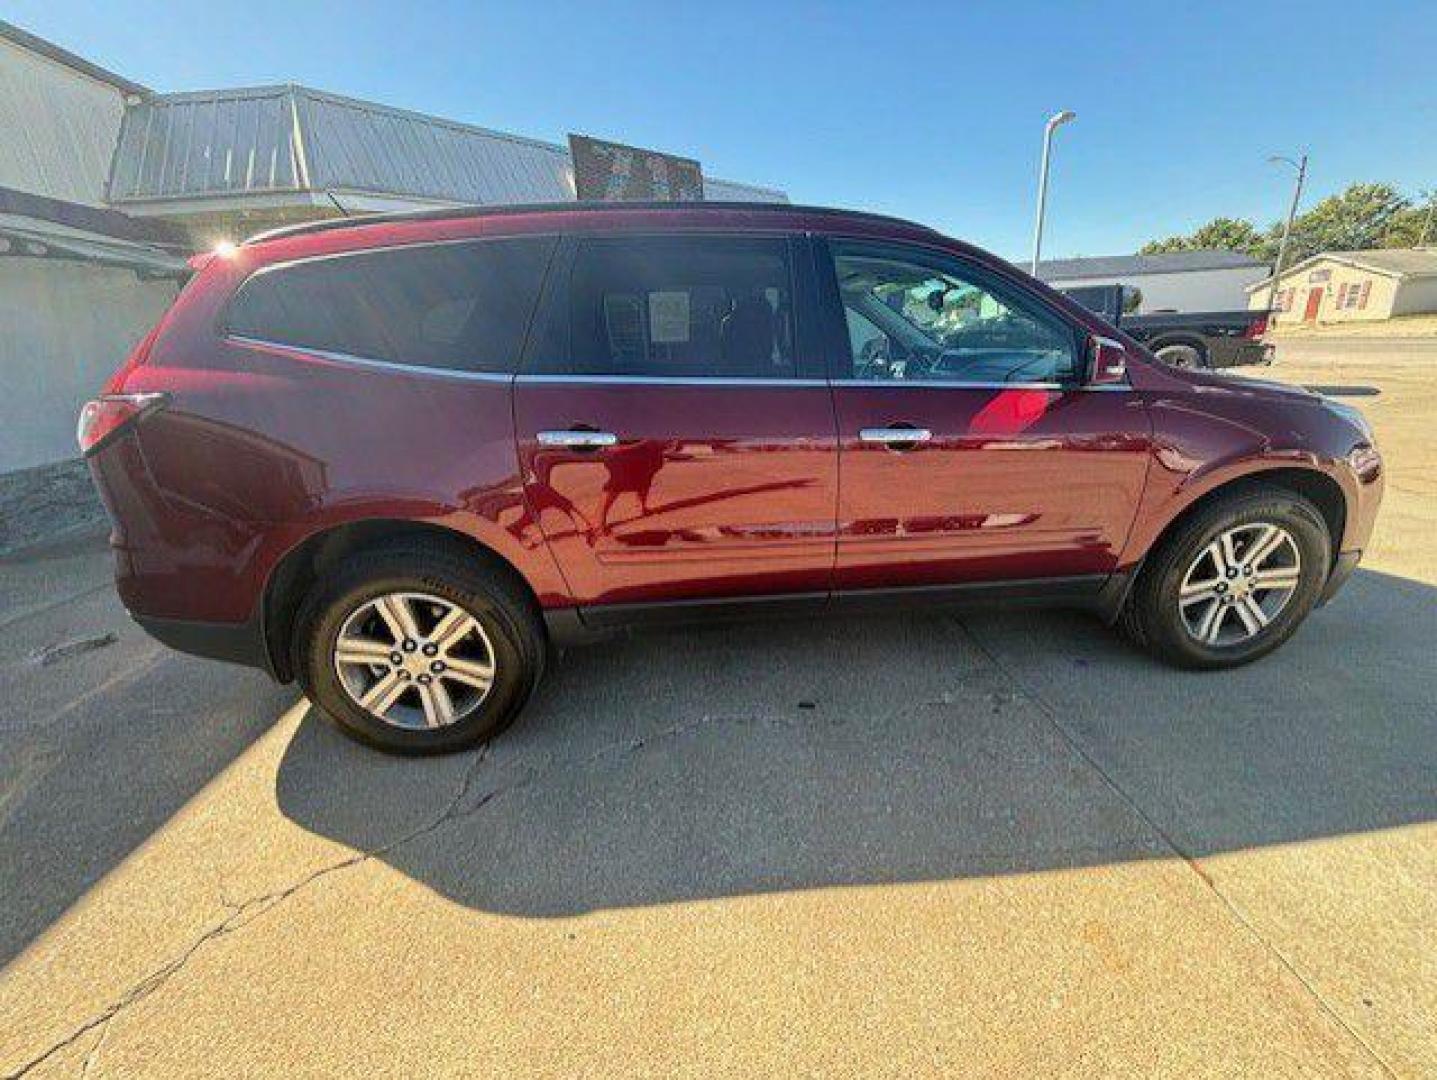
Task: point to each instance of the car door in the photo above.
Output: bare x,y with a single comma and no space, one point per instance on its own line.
969,451
676,433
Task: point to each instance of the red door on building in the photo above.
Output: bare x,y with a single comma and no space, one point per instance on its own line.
1314,302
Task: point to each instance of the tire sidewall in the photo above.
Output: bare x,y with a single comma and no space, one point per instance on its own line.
1302,522
1190,354
332,604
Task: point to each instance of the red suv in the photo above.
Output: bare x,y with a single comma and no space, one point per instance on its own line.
401,458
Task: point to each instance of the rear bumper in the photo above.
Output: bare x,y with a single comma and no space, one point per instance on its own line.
235,643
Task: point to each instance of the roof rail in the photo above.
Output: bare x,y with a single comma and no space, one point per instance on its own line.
328,224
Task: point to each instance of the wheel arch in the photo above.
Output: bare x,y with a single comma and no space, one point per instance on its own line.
1166,340
302,566
1312,484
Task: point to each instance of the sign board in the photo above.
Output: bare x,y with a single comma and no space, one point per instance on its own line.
613,172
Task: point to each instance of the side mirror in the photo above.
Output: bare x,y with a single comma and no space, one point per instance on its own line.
1107,362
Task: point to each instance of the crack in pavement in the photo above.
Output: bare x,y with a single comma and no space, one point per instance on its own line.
1191,861
241,915
92,1058
244,912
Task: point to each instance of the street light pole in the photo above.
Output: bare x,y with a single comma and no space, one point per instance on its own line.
1301,167
1055,121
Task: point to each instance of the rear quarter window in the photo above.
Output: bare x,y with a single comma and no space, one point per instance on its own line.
457,307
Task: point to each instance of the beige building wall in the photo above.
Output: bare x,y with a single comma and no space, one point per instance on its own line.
58,127
1339,283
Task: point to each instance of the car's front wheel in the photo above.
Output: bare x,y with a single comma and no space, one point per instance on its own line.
1233,582
419,649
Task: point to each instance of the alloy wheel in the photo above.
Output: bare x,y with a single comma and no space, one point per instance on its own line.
414,661
1239,583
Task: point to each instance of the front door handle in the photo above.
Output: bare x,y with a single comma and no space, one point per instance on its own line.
578,439
895,436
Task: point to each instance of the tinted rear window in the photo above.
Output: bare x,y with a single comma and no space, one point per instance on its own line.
462,307
690,306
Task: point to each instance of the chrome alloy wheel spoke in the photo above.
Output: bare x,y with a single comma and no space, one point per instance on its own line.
414,660
1238,584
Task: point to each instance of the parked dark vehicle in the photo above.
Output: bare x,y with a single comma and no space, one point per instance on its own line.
401,459
1198,339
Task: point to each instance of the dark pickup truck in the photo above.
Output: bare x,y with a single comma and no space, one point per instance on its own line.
1198,339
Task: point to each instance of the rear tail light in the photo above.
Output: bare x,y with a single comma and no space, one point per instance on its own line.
1256,328
105,418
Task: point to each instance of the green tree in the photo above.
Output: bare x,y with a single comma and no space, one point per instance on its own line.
1405,229
1362,217
1355,220
1219,234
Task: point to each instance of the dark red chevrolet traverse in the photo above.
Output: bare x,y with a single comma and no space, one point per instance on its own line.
399,458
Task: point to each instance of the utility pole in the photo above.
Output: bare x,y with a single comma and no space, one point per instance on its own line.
1427,223
1055,121
1301,167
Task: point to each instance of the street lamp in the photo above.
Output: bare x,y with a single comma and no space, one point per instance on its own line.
1301,167
1055,121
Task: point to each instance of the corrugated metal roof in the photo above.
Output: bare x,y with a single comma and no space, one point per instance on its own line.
291,138
1170,262
187,145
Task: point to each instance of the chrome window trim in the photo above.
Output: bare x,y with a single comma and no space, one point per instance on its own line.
935,384
656,380
666,380
376,249
372,362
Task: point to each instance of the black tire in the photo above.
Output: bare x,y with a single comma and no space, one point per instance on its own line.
1151,615
504,609
1182,356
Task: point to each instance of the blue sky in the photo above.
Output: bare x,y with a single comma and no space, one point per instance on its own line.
932,111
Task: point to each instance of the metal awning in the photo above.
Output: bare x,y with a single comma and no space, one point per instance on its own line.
33,238
254,146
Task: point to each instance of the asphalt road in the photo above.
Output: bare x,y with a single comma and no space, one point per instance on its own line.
999,843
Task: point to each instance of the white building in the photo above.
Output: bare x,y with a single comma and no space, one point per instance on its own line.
80,283
1172,281
105,186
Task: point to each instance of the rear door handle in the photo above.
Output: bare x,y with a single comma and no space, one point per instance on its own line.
895,436
578,439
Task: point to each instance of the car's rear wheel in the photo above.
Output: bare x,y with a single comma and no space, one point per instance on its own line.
1233,582
1182,356
419,649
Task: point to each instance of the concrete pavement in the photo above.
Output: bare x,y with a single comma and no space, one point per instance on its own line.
994,844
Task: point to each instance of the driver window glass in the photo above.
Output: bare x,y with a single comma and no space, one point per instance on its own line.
924,318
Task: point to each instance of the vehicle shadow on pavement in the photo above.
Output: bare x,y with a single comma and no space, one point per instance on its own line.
752,759
104,734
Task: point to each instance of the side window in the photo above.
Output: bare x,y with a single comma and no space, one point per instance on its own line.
680,306
921,316
463,307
